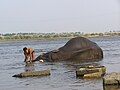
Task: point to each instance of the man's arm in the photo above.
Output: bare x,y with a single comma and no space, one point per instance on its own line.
30,53
26,57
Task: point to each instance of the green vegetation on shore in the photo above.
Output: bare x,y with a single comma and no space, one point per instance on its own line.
44,36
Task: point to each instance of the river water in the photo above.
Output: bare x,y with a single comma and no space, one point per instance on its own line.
62,76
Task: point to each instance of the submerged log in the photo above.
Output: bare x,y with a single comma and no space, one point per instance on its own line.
112,79
91,71
33,73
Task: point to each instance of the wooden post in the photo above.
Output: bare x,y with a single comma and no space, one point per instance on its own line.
33,73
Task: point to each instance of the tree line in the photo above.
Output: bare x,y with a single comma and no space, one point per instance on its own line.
15,36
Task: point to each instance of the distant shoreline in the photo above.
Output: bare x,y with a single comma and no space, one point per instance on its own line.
42,39
51,39
13,37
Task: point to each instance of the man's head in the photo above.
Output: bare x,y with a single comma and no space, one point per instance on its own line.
25,49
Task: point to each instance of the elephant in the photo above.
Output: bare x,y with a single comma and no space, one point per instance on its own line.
78,48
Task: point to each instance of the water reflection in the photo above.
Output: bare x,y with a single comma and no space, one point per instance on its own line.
29,67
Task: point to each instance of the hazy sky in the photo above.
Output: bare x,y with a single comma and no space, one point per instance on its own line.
59,15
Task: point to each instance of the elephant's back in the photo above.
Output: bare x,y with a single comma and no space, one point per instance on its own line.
78,43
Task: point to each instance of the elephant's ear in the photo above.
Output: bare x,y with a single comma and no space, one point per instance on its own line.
81,50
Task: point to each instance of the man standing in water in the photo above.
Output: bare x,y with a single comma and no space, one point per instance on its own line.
29,54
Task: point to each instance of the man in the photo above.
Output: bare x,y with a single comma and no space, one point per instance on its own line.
29,54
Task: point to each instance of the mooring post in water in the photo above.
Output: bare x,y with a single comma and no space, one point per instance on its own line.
91,71
33,74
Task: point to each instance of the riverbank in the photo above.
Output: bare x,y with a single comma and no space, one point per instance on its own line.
52,39
41,39
53,36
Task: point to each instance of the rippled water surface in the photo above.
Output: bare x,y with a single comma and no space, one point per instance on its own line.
62,73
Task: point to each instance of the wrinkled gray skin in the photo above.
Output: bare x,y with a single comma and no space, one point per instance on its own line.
78,48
